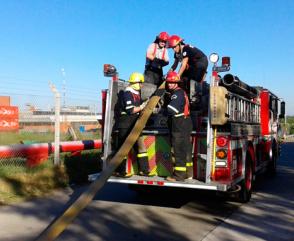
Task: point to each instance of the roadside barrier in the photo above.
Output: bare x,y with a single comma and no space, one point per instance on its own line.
39,153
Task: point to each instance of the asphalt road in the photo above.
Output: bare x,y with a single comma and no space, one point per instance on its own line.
117,213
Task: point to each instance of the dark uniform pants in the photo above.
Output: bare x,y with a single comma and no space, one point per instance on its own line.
153,77
181,133
126,124
193,78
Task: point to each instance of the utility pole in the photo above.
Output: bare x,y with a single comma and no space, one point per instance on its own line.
57,124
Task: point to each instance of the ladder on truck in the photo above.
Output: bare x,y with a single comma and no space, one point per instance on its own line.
240,109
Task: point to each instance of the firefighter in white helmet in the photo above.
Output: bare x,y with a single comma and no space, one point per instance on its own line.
180,127
130,106
156,59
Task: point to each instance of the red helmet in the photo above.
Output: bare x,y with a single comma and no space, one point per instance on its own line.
173,77
174,40
163,36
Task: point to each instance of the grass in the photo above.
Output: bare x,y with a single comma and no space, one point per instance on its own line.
25,184
80,166
10,138
19,183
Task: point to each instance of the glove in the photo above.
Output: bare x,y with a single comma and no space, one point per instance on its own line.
142,106
160,62
156,110
161,102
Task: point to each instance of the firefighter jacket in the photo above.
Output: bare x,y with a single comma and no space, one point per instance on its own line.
179,110
129,99
196,60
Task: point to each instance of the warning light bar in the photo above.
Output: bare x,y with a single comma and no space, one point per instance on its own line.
109,70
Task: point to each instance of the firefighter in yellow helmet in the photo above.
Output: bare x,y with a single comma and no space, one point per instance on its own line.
130,106
180,128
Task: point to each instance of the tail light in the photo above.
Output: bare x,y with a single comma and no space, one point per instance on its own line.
221,154
221,141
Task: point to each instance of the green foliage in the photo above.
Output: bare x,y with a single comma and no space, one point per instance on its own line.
10,138
24,183
290,120
12,166
18,182
81,165
291,131
290,125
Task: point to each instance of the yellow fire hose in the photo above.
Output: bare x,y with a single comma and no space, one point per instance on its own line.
60,223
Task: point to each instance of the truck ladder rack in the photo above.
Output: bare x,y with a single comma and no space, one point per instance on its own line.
240,109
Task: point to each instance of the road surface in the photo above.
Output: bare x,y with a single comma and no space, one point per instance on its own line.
117,213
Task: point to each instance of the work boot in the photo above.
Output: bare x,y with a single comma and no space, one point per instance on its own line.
177,176
189,172
126,175
146,174
121,170
143,164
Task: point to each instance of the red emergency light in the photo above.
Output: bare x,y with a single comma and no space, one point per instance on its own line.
109,70
226,61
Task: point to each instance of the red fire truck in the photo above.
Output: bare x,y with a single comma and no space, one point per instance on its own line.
235,134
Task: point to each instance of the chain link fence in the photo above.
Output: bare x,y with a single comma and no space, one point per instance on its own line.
28,124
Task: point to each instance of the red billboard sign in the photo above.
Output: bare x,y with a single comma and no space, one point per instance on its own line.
9,118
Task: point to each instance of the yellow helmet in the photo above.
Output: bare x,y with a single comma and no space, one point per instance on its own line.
136,78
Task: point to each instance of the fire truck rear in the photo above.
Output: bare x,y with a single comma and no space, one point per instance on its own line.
235,134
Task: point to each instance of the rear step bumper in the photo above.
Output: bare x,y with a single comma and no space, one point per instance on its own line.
160,181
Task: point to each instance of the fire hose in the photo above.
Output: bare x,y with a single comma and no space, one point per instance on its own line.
60,223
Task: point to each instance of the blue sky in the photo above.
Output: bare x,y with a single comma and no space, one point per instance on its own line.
38,38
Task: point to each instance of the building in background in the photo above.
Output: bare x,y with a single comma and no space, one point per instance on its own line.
33,119
9,115
77,117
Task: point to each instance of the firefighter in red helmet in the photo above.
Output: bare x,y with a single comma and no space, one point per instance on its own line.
156,59
193,65
180,128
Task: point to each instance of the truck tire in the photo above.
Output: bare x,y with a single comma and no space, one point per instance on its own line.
272,166
244,194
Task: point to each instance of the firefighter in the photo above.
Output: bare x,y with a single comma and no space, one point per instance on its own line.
180,129
193,67
130,106
156,59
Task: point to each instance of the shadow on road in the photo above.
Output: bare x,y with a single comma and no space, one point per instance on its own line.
118,213
270,213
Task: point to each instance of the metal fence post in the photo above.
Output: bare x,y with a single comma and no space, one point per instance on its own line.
57,125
